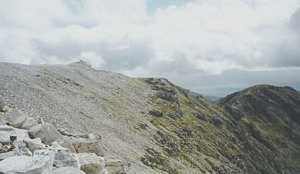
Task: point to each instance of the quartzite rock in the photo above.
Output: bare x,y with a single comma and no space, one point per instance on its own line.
22,165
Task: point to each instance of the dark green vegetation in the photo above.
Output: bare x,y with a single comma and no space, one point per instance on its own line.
253,131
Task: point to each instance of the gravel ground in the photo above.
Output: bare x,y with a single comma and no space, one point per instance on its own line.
80,99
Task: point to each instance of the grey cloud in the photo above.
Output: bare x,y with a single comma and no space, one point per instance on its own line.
295,21
117,57
286,52
179,64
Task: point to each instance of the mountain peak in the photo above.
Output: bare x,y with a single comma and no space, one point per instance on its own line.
258,90
81,63
265,101
265,87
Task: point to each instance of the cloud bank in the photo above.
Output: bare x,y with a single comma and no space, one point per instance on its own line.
187,42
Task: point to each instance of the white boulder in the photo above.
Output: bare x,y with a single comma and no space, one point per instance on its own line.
22,165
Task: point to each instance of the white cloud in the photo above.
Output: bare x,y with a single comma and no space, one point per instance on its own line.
201,36
229,33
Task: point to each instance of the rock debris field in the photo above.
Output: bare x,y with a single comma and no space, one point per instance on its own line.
30,146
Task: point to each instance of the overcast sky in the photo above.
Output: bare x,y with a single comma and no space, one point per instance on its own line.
211,46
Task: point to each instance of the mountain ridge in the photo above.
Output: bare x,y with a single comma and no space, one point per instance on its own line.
155,126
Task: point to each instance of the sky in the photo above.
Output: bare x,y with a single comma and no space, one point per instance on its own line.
213,47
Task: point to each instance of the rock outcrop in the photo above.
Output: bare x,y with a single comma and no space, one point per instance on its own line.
37,151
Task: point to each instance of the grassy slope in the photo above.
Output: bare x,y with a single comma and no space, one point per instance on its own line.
199,137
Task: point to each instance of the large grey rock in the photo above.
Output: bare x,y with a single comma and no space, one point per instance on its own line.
156,113
115,167
68,170
217,120
65,159
90,163
46,132
15,118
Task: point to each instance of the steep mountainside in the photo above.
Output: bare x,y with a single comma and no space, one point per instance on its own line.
268,121
155,126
